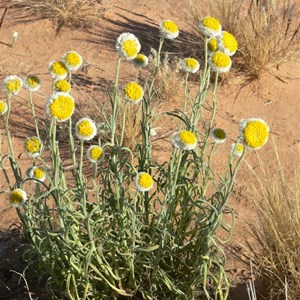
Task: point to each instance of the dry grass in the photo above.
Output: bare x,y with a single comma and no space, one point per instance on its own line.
268,31
278,233
70,13
169,81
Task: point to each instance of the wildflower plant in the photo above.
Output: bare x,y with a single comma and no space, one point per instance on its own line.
137,228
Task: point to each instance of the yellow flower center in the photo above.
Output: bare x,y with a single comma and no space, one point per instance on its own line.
191,63
256,134
13,85
62,86
140,58
133,91
96,153
73,59
187,137
212,44
221,60
170,26
3,107
239,148
219,134
130,48
32,145
38,173
62,107
85,128
58,68
229,41
211,23
145,180
16,197
32,81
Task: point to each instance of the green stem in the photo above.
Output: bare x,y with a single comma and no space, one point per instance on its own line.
7,132
34,116
115,104
81,160
72,145
214,108
14,163
185,92
161,42
123,123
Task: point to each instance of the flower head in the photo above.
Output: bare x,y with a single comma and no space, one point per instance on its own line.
15,34
58,69
237,149
143,182
72,60
212,44
61,106
12,84
254,133
37,173
140,61
184,140
32,83
220,62
3,107
17,197
210,26
133,92
190,65
128,45
218,135
62,85
168,29
85,129
33,146
227,43
95,154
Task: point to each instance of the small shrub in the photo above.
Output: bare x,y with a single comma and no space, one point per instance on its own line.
137,228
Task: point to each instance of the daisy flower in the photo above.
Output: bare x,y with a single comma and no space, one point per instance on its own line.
128,45
61,106
85,129
12,84
220,62
37,173
58,69
17,197
190,65
254,133
168,29
143,182
3,107
62,86
32,83
33,146
95,154
237,149
72,60
210,26
212,45
227,43
140,61
184,140
218,135
133,92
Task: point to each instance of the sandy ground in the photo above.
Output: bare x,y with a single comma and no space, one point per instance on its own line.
274,98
